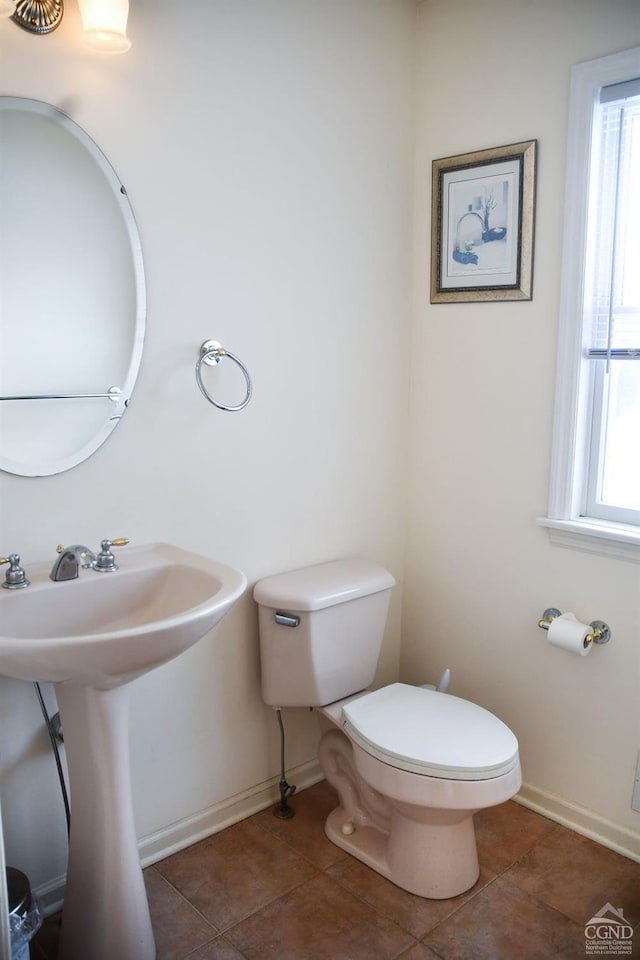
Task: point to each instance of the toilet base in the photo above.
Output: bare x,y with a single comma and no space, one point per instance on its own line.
416,831
436,861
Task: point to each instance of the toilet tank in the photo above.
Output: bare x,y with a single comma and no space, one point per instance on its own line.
321,629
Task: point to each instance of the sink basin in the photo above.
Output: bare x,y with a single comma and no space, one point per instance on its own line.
104,629
90,637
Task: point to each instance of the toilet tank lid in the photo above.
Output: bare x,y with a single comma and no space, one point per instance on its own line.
323,585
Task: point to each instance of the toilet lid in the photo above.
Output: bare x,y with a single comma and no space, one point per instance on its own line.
431,733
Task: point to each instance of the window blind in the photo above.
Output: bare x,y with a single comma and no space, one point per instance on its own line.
612,287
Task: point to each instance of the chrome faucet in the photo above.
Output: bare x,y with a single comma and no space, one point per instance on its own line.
69,560
72,558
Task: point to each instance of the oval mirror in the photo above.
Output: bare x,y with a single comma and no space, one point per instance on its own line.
72,298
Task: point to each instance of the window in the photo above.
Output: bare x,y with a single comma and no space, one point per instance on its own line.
595,483
612,305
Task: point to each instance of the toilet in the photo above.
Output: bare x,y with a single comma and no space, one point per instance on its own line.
410,765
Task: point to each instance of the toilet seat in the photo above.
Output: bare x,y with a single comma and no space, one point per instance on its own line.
430,733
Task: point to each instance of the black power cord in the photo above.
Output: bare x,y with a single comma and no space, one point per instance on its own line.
54,730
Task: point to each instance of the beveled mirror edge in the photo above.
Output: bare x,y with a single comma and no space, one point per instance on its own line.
65,463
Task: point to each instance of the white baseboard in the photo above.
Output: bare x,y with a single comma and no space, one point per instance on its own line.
583,821
183,833
156,846
51,895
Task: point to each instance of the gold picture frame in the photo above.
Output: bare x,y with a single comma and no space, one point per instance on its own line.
482,225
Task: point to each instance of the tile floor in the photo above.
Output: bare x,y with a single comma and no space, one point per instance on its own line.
268,889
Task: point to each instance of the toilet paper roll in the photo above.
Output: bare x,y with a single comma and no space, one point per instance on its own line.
567,633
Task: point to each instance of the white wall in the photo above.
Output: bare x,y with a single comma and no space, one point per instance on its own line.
479,571
267,149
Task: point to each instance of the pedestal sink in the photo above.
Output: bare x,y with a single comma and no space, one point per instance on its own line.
91,636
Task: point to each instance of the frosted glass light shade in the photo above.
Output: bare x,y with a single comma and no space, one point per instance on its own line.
104,24
7,8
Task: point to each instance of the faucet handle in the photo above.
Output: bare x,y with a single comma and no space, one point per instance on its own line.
106,561
15,577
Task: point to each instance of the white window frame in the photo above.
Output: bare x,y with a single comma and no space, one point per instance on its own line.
573,392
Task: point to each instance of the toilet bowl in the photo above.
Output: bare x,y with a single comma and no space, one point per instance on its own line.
410,765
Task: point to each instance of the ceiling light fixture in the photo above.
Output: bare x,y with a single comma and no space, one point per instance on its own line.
38,16
104,22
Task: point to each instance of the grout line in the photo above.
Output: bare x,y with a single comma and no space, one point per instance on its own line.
216,930
405,950
220,936
378,911
267,903
298,851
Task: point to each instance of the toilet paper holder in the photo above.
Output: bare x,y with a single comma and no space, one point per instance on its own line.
600,631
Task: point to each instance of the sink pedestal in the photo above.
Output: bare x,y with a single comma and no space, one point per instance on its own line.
92,636
106,912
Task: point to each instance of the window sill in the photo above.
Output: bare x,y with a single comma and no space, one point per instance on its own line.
611,539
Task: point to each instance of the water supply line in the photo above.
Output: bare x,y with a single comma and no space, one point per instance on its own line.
283,811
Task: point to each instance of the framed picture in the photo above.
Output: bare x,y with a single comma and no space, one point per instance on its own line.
482,225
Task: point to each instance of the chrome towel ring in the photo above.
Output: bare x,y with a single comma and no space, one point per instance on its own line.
211,353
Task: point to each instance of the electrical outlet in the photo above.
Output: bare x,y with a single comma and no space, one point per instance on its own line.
635,799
